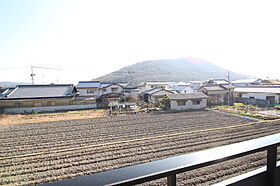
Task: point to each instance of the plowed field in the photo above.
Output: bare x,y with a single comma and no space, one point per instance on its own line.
39,153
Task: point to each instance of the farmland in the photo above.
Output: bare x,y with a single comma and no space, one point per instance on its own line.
38,153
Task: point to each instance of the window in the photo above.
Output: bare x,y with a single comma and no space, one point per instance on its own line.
17,105
181,102
114,89
51,103
37,104
90,91
252,97
196,102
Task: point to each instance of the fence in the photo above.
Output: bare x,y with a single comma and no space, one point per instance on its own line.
171,166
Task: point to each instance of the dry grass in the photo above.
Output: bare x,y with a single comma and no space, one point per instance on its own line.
46,117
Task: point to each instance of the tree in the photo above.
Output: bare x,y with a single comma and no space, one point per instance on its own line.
164,102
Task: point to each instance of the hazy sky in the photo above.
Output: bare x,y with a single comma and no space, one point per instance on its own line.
87,38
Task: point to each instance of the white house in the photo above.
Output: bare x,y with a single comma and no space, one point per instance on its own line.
271,94
130,90
96,89
144,86
88,89
111,88
195,84
193,101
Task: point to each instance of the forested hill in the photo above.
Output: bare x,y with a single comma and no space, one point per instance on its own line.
184,69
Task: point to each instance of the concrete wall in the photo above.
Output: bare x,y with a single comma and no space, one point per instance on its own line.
249,101
48,109
24,103
188,105
261,96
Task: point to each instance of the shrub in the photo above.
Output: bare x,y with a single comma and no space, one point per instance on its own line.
164,102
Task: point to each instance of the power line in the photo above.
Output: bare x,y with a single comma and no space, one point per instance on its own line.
13,68
32,71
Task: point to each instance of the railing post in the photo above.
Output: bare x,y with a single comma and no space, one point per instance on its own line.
271,165
171,180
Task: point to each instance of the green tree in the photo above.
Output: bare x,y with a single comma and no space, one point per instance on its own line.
164,102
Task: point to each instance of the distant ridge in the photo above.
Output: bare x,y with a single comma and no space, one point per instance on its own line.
12,84
184,69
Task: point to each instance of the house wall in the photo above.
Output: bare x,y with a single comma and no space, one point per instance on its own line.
249,101
89,92
261,96
48,109
36,102
154,98
188,105
112,89
131,93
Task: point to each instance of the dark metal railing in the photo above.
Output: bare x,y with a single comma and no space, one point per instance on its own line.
171,166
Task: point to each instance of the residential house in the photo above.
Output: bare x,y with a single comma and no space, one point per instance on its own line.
183,89
192,101
153,95
259,95
88,89
40,98
229,97
195,84
270,82
111,92
130,90
217,81
102,92
144,86
112,89
216,93
246,82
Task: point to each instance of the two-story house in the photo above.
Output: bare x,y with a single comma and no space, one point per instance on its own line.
144,86
88,89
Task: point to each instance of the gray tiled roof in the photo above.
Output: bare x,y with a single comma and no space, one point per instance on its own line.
246,81
228,86
40,91
180,87
196,95
213,88
151,91
88,84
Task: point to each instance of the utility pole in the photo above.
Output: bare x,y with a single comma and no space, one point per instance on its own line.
32,75
130,73
32,71
228,77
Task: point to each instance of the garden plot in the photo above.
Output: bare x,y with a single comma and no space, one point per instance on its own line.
50,151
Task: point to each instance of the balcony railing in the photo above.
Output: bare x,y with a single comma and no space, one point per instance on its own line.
171,166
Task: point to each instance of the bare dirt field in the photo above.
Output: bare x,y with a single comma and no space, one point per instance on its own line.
39,153
47,117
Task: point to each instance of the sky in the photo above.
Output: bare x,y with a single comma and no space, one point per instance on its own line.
75,40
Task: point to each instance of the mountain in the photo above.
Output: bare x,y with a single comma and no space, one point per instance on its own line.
184,69
12,84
